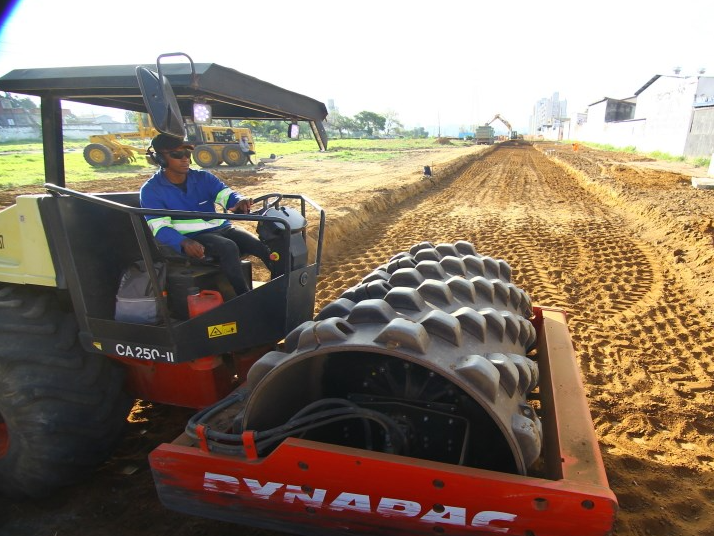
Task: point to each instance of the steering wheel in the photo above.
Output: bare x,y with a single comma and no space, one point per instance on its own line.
268,201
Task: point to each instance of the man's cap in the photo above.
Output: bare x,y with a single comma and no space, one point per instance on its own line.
164,142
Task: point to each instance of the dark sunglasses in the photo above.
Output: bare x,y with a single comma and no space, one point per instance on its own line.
178,155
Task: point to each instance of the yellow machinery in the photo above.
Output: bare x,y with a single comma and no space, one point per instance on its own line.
109,149
512,134
217,144
214,145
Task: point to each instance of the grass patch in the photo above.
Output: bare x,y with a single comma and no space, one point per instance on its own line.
35,146
357,156
657,155
263,149
346,148
22,163
27,168
702,162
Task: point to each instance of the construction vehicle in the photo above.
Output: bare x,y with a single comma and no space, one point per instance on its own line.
217,144
512,134
432,397
484,135
109,149
213,144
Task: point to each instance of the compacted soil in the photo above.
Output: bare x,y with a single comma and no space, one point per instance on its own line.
623,243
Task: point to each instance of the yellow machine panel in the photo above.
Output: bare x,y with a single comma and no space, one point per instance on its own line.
24,253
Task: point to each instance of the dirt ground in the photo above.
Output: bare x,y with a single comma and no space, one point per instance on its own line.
623,243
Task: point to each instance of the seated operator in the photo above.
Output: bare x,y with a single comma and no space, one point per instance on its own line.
178,187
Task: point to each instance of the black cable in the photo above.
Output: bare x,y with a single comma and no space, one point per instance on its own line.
338,401
322,402
303,421
207,413
379,418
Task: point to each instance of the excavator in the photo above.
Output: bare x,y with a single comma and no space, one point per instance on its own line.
512,134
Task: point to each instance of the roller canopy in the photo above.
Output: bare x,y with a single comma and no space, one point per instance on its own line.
232,95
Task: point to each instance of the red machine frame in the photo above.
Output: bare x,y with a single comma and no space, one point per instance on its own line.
314,488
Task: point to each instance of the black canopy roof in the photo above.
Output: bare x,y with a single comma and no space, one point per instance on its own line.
232,95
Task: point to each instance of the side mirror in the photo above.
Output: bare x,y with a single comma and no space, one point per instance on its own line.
293,131
160,102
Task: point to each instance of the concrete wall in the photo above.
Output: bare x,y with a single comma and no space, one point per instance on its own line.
625,133
552,133
615,133
700,141
571,129
20,133
673,115
667,106
70,132
593,129
705,92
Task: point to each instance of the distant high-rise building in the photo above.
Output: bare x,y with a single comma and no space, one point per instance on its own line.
547,112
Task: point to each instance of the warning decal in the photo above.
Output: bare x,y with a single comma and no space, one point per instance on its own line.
229,328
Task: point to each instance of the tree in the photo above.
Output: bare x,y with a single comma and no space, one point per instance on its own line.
271,130
391,122
418,132
370,122
340,123
21,102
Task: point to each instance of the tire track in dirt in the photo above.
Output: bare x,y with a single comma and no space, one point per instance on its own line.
636,330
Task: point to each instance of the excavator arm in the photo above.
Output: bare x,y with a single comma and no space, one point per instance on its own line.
502,120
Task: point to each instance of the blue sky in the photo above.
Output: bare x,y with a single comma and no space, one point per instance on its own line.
454,62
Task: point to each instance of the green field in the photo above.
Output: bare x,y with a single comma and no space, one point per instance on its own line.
21,164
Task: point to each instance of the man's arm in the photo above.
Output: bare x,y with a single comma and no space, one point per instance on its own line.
226,197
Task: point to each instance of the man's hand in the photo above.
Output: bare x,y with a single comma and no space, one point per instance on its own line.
193,249
242,206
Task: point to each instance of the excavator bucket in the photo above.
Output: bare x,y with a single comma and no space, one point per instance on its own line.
430,398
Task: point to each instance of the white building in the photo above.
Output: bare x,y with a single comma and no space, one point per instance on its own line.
671,113
548,113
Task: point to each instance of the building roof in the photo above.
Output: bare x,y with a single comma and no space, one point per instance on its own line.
628,100
655,77
648,84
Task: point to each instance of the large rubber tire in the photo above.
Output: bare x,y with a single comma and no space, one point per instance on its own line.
233,156
205,156
62,411
98,155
